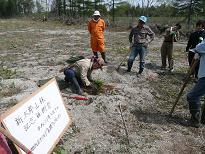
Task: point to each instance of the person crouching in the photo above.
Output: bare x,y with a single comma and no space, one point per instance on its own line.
79,74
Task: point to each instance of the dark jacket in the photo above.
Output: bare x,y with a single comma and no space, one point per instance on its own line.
194,39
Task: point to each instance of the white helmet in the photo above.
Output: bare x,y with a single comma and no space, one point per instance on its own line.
96,13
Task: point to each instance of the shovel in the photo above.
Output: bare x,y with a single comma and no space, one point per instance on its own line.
191,70
117,69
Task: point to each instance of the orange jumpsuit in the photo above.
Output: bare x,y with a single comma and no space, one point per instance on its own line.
96,29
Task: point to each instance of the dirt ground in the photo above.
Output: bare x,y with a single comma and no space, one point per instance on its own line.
133,118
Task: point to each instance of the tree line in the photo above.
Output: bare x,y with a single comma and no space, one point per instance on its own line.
9,8
126,8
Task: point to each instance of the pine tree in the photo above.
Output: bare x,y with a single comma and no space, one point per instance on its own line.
189,8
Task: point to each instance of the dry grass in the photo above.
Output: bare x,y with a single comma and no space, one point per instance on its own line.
9,90
145,116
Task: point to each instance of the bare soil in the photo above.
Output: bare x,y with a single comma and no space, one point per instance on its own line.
131,118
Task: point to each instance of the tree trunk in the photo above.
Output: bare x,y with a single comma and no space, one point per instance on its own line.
95,5
113,10
189,14
64,7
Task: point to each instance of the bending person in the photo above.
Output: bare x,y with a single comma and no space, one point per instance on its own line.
79,74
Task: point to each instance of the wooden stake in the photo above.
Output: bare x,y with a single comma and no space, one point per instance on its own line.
122,61
191,70
125,128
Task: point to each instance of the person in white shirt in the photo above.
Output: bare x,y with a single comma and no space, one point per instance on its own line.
193,97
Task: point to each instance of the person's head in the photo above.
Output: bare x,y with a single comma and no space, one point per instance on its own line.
141,21
97,63
96,15
199,24
178,26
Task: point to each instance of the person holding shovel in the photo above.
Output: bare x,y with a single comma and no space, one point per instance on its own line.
79,73
195,38
96,28
171,36
193,97
139,44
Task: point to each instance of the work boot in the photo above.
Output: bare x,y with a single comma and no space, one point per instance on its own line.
95,54
103,57
203,115
141,70
195,120
129,65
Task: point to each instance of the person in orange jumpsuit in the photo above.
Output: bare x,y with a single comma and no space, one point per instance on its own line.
96,28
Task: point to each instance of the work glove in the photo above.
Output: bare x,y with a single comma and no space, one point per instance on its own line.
196,56
201,39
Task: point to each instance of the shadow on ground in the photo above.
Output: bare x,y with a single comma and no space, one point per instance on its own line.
156,117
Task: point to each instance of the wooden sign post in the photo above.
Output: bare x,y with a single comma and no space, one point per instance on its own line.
39,121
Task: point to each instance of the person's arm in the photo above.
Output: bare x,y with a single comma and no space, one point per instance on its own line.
89,27
130,36
89,76
176,36
103,28
83,76
151,34
189,44
200,48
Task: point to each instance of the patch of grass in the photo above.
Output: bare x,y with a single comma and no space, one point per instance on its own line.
123,149
97,88
179,53
12,102
120,49
75,129
59,150
124,145
98,84
5,106
7,73
167,88
155,49
89,149
10,90
100,108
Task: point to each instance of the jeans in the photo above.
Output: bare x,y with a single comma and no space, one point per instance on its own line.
71,77
138,49
193,97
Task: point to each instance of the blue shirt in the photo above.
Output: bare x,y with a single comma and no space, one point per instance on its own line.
200,48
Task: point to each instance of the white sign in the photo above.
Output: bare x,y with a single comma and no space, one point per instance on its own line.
39,121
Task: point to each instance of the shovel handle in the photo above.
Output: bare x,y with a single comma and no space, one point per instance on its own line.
191,70
122,61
